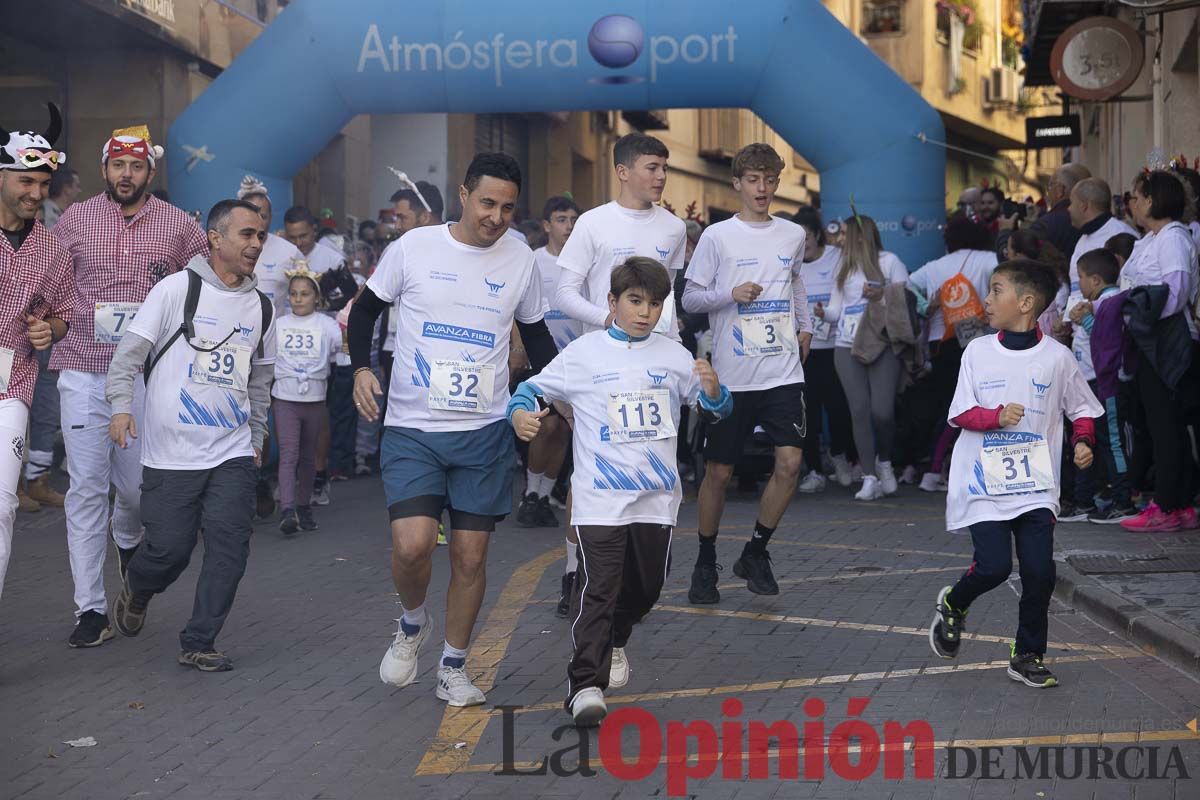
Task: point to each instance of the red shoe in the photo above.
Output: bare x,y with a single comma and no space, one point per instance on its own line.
1152,520
1188,521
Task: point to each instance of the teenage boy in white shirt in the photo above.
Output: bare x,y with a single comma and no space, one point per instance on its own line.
745,274
1014,388
626,387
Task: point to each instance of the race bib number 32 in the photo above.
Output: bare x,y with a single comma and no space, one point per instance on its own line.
461,386
1016,463
640,416
227,367
112,319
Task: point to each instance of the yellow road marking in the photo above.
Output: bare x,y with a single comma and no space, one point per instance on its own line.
447,752
863,626
841,576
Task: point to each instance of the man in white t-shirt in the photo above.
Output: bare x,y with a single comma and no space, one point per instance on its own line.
300,228
631,225
278,254
206,337
745,274
446,443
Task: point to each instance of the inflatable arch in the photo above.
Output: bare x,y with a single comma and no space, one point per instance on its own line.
324,61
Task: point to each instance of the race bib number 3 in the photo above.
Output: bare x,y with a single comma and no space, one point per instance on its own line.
1016,463
640,416
461,386
227,367
767,328
298,343
6,362
112,319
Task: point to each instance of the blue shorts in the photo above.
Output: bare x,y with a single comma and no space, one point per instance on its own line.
469,472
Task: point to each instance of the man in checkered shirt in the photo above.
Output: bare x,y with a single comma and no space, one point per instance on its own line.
122,242
35,295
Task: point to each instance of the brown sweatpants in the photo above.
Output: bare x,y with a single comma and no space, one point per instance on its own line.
621,573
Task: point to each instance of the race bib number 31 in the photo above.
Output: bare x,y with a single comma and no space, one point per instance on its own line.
767,328
112,319
640,416
1016,463
227,367
461,386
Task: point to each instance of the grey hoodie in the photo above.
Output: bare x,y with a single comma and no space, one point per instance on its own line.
130,357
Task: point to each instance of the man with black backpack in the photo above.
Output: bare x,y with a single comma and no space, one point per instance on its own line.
205,339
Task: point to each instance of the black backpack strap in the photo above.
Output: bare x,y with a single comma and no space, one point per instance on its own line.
187,327
268,311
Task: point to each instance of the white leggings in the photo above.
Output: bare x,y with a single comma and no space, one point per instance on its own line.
14,419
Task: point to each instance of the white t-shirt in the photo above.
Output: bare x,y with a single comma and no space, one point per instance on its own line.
456,304
819,276
564,329
278,255
1081,341
1047,382
323,258
847,303
1095,241
754,344
605,236
1157,255
197,407
975,265
622,482
340,356
304,347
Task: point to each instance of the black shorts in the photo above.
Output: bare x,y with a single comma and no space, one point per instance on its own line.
780,412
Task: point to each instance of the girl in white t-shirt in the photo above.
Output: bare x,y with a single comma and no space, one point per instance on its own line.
306,343
870,388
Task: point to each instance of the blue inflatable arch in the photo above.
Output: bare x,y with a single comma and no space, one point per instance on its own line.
324,61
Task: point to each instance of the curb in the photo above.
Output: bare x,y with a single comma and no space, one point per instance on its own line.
1146,630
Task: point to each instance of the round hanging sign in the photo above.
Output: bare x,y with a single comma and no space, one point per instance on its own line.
1097,58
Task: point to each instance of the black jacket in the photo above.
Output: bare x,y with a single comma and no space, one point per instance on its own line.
1164,345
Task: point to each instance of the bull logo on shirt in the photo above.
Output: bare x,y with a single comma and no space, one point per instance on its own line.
1041,384
494,288
662,254
785,260
658,379
1041,388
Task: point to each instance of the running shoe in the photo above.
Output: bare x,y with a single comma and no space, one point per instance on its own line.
946,630
399,665
455,687
1152,520
887,477
558,495
129,611
206,660
288,522
1187,519
813,482
441,537
361,466
527,512
871,490
91,630
305,517
564,598
842,472
1112,515
909,476
703,590
755,568
933,482
1029,670
618,674
1076,514
545,515
588,708
321,494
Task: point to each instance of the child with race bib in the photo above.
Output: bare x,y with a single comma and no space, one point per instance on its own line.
1014,387
625,387
306,343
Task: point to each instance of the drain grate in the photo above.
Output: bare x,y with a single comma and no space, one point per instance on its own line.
1136,562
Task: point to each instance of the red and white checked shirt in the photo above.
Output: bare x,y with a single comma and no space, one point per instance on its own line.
35,280
117,262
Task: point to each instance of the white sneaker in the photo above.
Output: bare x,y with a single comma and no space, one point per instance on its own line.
909,476
456,688
933,482
618,674
399,665
813,482
842,472
887,476
871,490
321,497
588,707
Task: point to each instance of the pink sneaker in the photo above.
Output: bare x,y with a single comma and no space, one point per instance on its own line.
1152,520
1188,521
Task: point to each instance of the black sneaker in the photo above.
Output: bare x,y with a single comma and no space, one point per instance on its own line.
546,518
91,630
129,611
264,503
564,599
527,512
1029,670
1075,513
1112,515
946,630
755,567
558,495
206,660
703,590
288,522
306,519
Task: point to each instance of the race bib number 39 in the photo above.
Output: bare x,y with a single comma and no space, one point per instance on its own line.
767,328
1016,463
461,386
112,319
640,416
227,367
